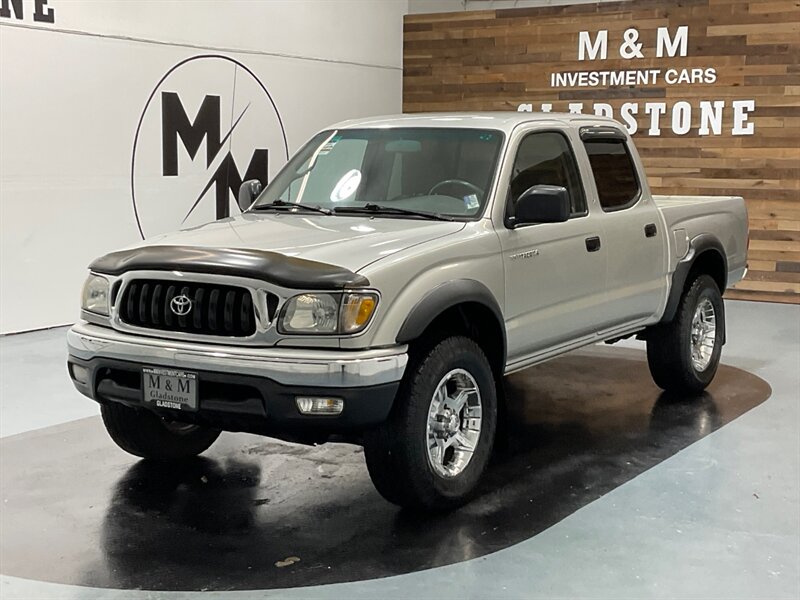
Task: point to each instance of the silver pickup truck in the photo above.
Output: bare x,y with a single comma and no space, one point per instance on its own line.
381,286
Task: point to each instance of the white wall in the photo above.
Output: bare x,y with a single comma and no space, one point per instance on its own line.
72,94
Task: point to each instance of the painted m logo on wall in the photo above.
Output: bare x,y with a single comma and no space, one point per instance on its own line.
179,155
226,178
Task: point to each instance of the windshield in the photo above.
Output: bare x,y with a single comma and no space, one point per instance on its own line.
445,171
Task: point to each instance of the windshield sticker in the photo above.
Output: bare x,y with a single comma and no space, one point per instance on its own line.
329,145
326,148
346,186
471,202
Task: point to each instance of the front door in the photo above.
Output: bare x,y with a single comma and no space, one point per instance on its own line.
554,272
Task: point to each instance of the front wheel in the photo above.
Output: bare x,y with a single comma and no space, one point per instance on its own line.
684,354
144,434
433,449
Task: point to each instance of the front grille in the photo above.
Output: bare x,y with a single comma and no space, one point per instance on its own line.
215,309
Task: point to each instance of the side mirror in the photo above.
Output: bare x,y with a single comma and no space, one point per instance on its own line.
248,192
541,204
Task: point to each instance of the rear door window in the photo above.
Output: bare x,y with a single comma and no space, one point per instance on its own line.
614,174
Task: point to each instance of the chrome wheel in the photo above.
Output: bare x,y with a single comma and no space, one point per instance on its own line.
454,423
703,334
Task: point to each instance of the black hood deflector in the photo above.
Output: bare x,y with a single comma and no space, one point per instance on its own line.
272,267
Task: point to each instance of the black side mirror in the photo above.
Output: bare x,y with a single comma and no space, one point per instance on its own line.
248,192
541,204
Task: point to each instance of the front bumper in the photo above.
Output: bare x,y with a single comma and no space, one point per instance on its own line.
242,388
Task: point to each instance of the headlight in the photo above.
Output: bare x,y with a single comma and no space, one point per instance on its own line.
95,295
310,313
327,313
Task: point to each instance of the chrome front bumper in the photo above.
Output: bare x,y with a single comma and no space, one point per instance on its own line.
287,366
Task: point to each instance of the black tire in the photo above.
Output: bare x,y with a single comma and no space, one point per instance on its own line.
669,345
397,453
144,434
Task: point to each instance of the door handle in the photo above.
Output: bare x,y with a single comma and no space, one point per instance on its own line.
650,230
593,244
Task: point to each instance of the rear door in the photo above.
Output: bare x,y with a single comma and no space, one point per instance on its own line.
633,231
554,272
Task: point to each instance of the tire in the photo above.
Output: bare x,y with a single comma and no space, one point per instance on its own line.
144,434
670,345
397,452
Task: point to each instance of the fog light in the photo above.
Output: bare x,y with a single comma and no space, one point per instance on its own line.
319,406
79,373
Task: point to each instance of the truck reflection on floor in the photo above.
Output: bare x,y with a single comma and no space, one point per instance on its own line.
575,428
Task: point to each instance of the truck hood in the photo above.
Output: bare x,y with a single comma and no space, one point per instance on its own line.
345,241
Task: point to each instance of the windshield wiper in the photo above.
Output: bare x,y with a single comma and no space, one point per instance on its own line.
283,204
375,209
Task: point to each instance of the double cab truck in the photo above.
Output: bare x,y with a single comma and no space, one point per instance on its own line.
382,285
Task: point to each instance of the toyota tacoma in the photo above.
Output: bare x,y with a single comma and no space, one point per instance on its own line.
387,279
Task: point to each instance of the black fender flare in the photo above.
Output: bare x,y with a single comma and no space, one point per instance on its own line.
697,246
444,296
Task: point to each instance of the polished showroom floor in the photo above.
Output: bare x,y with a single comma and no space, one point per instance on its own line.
605,488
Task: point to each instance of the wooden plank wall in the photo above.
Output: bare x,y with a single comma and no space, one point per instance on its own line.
499,59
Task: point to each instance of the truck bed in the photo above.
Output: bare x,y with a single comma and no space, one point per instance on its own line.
723,216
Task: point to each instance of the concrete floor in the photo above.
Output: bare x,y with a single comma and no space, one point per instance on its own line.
707,511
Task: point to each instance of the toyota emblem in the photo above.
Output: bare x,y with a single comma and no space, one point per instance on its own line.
181,305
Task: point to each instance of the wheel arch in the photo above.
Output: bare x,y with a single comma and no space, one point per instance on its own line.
706,256
463,306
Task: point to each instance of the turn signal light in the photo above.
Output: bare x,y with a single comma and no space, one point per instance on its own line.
357,310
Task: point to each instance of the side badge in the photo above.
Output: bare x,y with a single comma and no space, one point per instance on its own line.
526,254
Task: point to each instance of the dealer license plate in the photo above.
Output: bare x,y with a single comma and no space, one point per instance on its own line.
170,388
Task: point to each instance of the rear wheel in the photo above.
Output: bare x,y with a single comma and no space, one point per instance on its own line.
143,433
684,354
434,447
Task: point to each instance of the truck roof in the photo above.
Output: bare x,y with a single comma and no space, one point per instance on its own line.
503,120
